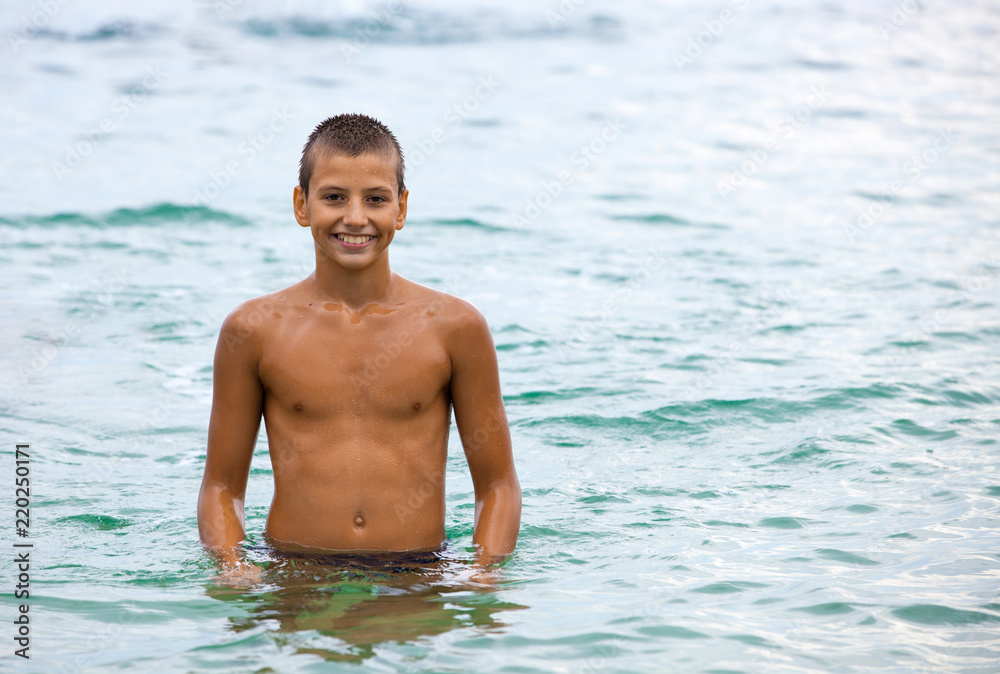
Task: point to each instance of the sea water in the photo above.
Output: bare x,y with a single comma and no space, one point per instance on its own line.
741,261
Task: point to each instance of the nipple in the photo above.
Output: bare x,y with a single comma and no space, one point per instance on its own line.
359,522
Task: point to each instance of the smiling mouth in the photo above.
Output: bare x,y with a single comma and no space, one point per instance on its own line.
352,240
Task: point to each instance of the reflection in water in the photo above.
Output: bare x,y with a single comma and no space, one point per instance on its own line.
363,601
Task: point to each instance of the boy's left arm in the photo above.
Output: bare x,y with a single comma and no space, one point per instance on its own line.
482,426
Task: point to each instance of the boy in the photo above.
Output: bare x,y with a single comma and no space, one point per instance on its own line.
355,371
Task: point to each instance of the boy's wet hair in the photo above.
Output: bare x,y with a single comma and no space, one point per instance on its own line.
352,135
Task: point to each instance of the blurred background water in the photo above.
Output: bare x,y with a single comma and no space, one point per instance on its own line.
740,260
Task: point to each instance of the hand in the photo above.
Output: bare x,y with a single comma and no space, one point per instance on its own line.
239,574
484,578
485,570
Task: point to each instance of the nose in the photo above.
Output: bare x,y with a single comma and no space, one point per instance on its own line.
355,214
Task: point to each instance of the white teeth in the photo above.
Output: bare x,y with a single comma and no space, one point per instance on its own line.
354,240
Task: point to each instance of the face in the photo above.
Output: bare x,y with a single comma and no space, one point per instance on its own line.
353,208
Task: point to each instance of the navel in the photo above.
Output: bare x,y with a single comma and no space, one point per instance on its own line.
359,522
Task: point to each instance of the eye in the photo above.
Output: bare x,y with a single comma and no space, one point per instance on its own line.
377,199
333,197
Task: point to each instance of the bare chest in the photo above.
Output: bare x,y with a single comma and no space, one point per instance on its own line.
383,366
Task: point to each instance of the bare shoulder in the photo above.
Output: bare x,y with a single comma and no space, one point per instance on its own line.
454,316
249,322
464,320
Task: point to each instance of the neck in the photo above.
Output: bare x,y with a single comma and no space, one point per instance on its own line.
355,288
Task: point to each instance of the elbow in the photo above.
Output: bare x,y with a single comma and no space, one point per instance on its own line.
505,493
220,511
514,495
506,499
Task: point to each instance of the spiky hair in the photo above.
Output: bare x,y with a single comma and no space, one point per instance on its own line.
352,135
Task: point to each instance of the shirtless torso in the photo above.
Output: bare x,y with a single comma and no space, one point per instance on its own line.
356,371
357,409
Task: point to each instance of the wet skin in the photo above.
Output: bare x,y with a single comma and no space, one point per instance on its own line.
355,371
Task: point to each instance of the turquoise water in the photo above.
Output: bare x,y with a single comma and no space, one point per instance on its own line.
744,291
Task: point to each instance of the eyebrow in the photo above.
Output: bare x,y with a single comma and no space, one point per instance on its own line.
335,188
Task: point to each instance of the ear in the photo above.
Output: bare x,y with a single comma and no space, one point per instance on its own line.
299,206
401,216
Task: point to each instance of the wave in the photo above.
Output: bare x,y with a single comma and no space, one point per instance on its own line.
933,614
666,219
156,214
119,29
430,27
462,222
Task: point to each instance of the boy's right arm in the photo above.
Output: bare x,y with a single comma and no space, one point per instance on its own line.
237,403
